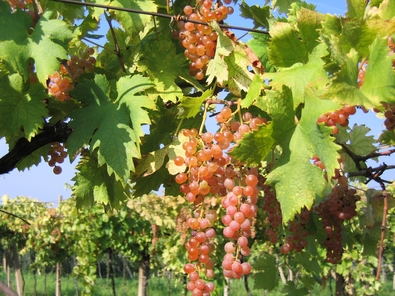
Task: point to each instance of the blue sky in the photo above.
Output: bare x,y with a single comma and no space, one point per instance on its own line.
40,182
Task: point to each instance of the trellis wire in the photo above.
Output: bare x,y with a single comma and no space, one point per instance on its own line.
158,14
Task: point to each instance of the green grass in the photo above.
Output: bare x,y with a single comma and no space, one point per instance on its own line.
157,286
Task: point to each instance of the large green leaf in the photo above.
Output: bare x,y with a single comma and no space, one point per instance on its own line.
20,109
379,85
286,48
259,15
17,45
163,69
300,75
267,277
294,173
94,185
112,127
279,106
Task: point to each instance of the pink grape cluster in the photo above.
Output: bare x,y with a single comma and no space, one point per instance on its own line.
297,241
210,171
334,210
272,208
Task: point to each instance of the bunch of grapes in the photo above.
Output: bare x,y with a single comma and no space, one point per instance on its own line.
199,40
60,84
334,210
212,172
389,115
272,208
57,155
298,239
337,117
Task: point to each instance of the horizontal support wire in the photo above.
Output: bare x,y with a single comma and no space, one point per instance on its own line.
158,14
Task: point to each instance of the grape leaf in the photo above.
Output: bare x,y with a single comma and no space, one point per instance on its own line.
259,15
387,9
258,45
279,106
239,76
309,24
134,23
94,184
191,106
387,138
17,46
266,276
253,92
298,76
176,149
286,48
379,82
20,109
360,142
113,127
163,69
152,162
346,80
283,5
291,289
356,8
307,140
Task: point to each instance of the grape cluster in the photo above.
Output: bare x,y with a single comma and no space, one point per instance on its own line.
337,117
334,210
60,84
57,155
272,208
389,114
199,247
211,171
200,40
297,241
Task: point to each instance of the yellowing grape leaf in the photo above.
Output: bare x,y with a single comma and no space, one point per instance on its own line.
17,45
114,127
20,109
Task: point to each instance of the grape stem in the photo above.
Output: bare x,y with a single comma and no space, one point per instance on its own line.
117,49
383,229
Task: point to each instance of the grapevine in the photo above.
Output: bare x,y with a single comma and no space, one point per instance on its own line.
272,175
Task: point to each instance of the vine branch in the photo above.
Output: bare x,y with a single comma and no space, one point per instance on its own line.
58,132
16,216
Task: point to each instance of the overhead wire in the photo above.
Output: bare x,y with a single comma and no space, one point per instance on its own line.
158,14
